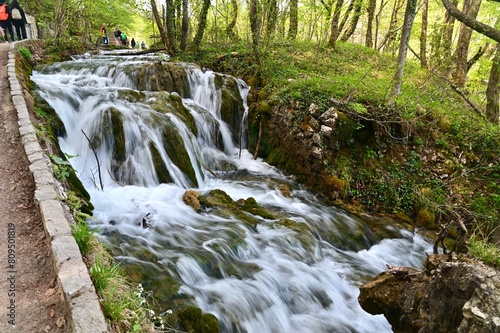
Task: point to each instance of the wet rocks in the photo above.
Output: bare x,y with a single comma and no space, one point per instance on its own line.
452,294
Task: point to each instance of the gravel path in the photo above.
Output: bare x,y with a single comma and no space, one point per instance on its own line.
30,293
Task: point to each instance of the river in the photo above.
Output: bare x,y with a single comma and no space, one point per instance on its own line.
257,279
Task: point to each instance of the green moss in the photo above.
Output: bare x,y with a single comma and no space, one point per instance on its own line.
131,95
231,108
53,124
251,206
194,321
174,146
216,198
160,167
426,219
162,76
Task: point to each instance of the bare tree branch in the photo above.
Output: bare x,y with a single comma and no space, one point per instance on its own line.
472,23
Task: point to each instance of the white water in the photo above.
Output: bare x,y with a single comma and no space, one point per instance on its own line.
253,279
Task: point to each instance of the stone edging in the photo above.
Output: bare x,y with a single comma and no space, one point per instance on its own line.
73,275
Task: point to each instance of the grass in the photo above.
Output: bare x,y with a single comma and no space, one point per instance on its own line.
487,252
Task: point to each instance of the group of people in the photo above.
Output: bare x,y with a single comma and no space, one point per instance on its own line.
12,18
121,38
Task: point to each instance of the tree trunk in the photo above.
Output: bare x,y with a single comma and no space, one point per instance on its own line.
159,24
294,19
202,23
471,22
253,15
170,24
423,35
369,25
234,17
377,22
441,44
492,108
410,13
185,24
482,50
335,31
272,17
358,4
390,38
471,9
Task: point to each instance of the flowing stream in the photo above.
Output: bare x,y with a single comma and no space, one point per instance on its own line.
262,278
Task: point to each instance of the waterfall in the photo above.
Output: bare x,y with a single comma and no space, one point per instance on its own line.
268,277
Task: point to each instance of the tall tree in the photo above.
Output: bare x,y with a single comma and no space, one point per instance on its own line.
334,27
471,9
159,24
230,29
471,22
358,5
411,11
185,24
271,11
423,34
372,5
377,22
294,19
202,23
492,91
390,36
253,15
170,24
441,43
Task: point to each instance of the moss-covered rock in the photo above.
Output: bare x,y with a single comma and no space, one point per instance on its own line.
172,103
231,108
426,219
174,146
216,198
160,168
162,76
193,320
251,206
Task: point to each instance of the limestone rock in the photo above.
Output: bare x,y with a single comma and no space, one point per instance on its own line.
453,294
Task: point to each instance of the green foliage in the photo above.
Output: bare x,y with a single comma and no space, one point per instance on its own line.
84,237
61,167
102,273
487,252
25,53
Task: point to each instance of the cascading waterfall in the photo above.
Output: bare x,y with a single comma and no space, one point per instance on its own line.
268,277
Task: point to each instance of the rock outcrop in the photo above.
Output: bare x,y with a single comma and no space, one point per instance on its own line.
453,293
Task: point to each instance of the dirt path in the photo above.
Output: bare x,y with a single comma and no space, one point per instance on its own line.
30,296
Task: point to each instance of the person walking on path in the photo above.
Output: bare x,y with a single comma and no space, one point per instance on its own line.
18,20
118,37
104,34
6,20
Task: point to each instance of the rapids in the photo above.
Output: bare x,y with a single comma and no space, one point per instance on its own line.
260,279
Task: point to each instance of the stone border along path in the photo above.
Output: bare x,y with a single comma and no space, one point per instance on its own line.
80,293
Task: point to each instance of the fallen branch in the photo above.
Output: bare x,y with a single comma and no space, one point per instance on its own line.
96,158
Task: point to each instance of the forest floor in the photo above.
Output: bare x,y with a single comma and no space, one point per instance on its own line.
30,293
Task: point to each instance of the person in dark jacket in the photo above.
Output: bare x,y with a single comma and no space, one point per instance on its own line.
19,23
6,23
